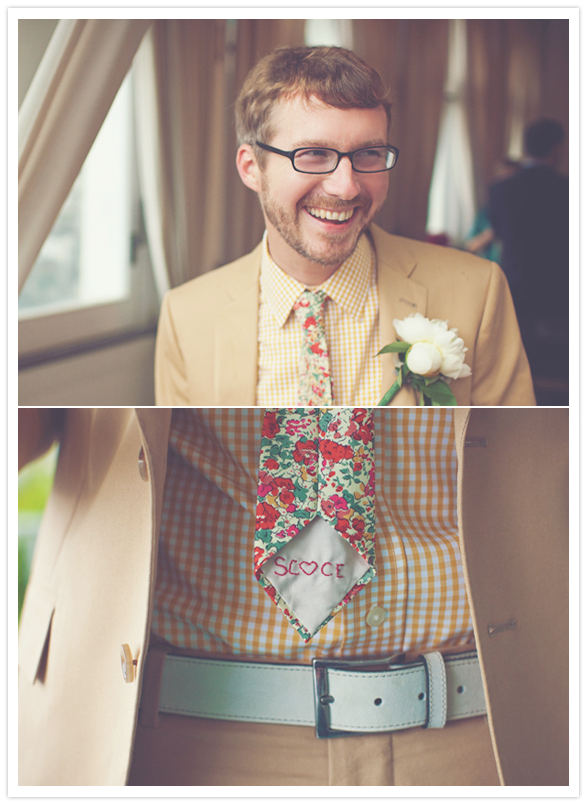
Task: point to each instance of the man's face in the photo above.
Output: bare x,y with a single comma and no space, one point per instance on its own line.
296,204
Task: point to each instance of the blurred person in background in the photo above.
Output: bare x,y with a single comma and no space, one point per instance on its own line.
482,240
529,213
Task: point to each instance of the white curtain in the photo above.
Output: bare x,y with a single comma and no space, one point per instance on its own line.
72,91
198,214
411,57
452,196
181,114
149,149
337,33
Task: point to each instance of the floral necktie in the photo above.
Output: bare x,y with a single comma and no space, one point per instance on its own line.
314,372
315,529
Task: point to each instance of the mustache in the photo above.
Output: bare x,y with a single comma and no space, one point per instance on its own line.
334,203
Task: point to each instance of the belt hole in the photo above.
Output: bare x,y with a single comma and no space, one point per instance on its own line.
377,702
326,699
421,696
460,689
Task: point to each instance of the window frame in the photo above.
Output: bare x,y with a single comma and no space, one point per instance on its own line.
47,333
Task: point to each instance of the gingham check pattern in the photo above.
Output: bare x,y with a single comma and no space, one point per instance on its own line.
351,321
206,595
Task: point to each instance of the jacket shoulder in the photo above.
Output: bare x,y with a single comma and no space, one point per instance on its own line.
418,258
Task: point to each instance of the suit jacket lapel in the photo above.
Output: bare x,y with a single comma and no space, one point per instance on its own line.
399,296
236,336
236,356
461,420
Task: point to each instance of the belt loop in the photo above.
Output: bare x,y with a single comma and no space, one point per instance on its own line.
152,678
436,695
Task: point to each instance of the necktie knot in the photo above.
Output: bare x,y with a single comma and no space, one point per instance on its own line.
309,307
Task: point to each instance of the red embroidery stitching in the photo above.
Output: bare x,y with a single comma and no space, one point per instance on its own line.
282,566
308,568
309,564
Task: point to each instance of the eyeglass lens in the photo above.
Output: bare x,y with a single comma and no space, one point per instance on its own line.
323,160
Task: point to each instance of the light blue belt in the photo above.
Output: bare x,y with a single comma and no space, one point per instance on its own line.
337,697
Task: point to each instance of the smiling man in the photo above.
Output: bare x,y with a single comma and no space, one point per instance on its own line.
301,320
315,217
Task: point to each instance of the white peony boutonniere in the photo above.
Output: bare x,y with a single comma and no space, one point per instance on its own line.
430,355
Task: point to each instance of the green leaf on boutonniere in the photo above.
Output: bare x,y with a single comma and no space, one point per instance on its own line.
440,393
390,393
397,346
402,372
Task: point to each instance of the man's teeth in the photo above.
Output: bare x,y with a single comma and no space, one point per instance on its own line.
343,215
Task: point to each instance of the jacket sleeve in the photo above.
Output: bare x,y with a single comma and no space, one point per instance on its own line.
38,428
501,373
171,385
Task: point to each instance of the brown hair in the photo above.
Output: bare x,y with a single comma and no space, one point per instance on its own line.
336,76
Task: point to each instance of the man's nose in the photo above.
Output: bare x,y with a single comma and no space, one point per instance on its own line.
342,182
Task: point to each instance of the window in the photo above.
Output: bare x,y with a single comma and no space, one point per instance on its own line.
451,206
338,33
92,279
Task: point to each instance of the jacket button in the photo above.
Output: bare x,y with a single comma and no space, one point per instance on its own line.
376,616
143,471
126,663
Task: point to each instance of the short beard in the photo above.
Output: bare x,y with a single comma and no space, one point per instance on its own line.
287,226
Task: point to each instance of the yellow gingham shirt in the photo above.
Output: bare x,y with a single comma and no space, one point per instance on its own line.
206,596
351,321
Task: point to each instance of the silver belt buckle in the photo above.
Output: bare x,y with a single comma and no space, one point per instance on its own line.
322,697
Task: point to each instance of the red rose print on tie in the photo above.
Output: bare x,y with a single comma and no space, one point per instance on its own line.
339,502
370,485
267,516
259,554
318,463
328,507
267,485
305,452
332,451
270,424
284,483
294,427
286,498
360,427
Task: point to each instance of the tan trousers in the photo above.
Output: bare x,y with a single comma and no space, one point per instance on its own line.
179,750
193,751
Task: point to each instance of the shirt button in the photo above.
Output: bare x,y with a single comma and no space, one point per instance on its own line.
126,663
143,471
376,616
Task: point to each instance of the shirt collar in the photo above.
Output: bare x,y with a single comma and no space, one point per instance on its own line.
348,286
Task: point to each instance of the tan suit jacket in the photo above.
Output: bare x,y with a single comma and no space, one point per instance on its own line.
92,582
207,340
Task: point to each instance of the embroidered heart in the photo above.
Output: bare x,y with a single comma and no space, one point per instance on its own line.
313,565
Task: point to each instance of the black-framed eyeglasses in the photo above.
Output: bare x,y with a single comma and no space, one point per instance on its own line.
373,159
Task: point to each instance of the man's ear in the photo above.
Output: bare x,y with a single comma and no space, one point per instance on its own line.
248,167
